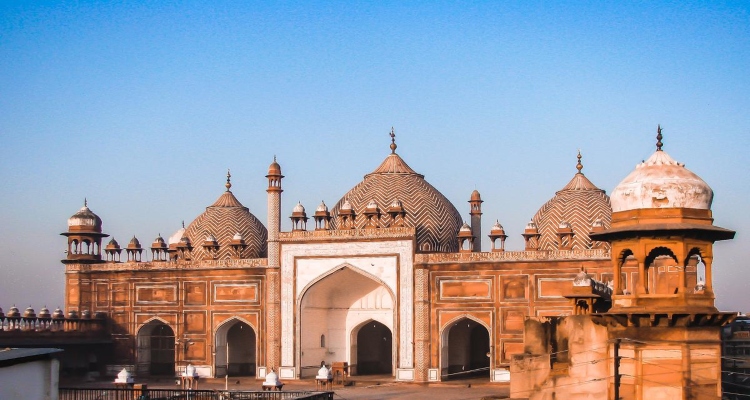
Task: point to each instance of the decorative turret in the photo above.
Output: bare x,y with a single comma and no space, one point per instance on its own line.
497,233
531,236
346,216
372,215
113,251
159,249
84,237
322,217
397,213
238,245
565,236
662,235
475,203
134,250
210,247
299,218
465,239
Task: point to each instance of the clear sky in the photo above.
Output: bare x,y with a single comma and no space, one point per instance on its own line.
142,106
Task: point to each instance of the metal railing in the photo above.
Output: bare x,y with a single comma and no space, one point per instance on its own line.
175,394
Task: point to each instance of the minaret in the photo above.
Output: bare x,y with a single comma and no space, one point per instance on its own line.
273,273
274,212
476,219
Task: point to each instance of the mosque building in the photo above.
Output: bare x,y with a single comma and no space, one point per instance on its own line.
390,280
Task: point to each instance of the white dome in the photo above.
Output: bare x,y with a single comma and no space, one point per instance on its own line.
299,208
661,182
175,238
322,207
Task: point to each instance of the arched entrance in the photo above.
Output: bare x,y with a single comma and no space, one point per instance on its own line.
156,349
465,350
235,349
333,311
374,349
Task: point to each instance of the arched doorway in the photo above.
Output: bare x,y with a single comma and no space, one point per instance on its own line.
235,349
374,347
465,350
156,349
333,310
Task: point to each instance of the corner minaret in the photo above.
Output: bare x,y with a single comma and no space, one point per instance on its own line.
476,219
273,275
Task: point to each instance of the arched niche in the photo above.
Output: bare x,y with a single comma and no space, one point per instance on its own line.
155,349
465,348
371,349
235,348
334,305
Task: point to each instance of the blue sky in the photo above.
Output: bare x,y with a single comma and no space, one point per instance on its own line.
142,106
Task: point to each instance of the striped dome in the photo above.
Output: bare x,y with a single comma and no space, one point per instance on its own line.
223,220
435,218
578,206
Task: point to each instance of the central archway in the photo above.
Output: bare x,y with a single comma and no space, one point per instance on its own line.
235,349
156,349
333,309
465,350
374,349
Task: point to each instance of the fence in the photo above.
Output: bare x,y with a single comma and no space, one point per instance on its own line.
172,394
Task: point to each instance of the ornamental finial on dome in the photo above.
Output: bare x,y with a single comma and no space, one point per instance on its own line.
579,166
229,183
85,202
393,141
659,137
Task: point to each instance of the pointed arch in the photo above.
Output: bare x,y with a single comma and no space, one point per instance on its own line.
235,347
341,267
155,340
466,351
373,356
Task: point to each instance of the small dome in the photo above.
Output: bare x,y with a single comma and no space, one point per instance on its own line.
86,314
299,208
564,225
465,228
322,208
210,238
72,314
237,236
85,219
274,169
185,241
58,313
531,226
113,243
497,228
396,204
475,196
372,205
134,243
598,223
13,312
661,182
29,313
346,205
272,378
44,313
175,238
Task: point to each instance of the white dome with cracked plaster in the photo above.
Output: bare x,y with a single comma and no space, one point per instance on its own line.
661,182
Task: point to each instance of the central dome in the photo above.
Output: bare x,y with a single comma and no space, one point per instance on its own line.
436,220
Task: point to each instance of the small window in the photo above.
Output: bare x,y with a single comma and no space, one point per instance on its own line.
322,340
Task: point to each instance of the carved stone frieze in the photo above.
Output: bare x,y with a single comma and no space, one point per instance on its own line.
540,255
167,265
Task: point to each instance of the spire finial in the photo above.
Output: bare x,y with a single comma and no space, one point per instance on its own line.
85,202
228,184
274,158
579,166
183,224
659,137
393,141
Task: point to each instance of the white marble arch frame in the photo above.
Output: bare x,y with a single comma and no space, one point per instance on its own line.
355,328
445,330
402,250
224,325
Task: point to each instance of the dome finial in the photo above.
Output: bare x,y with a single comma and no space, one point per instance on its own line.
228,184
579,166
183,224
659,137
393,141
85,202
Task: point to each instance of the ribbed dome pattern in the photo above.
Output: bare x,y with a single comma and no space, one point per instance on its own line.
435,218
223,219
579,204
